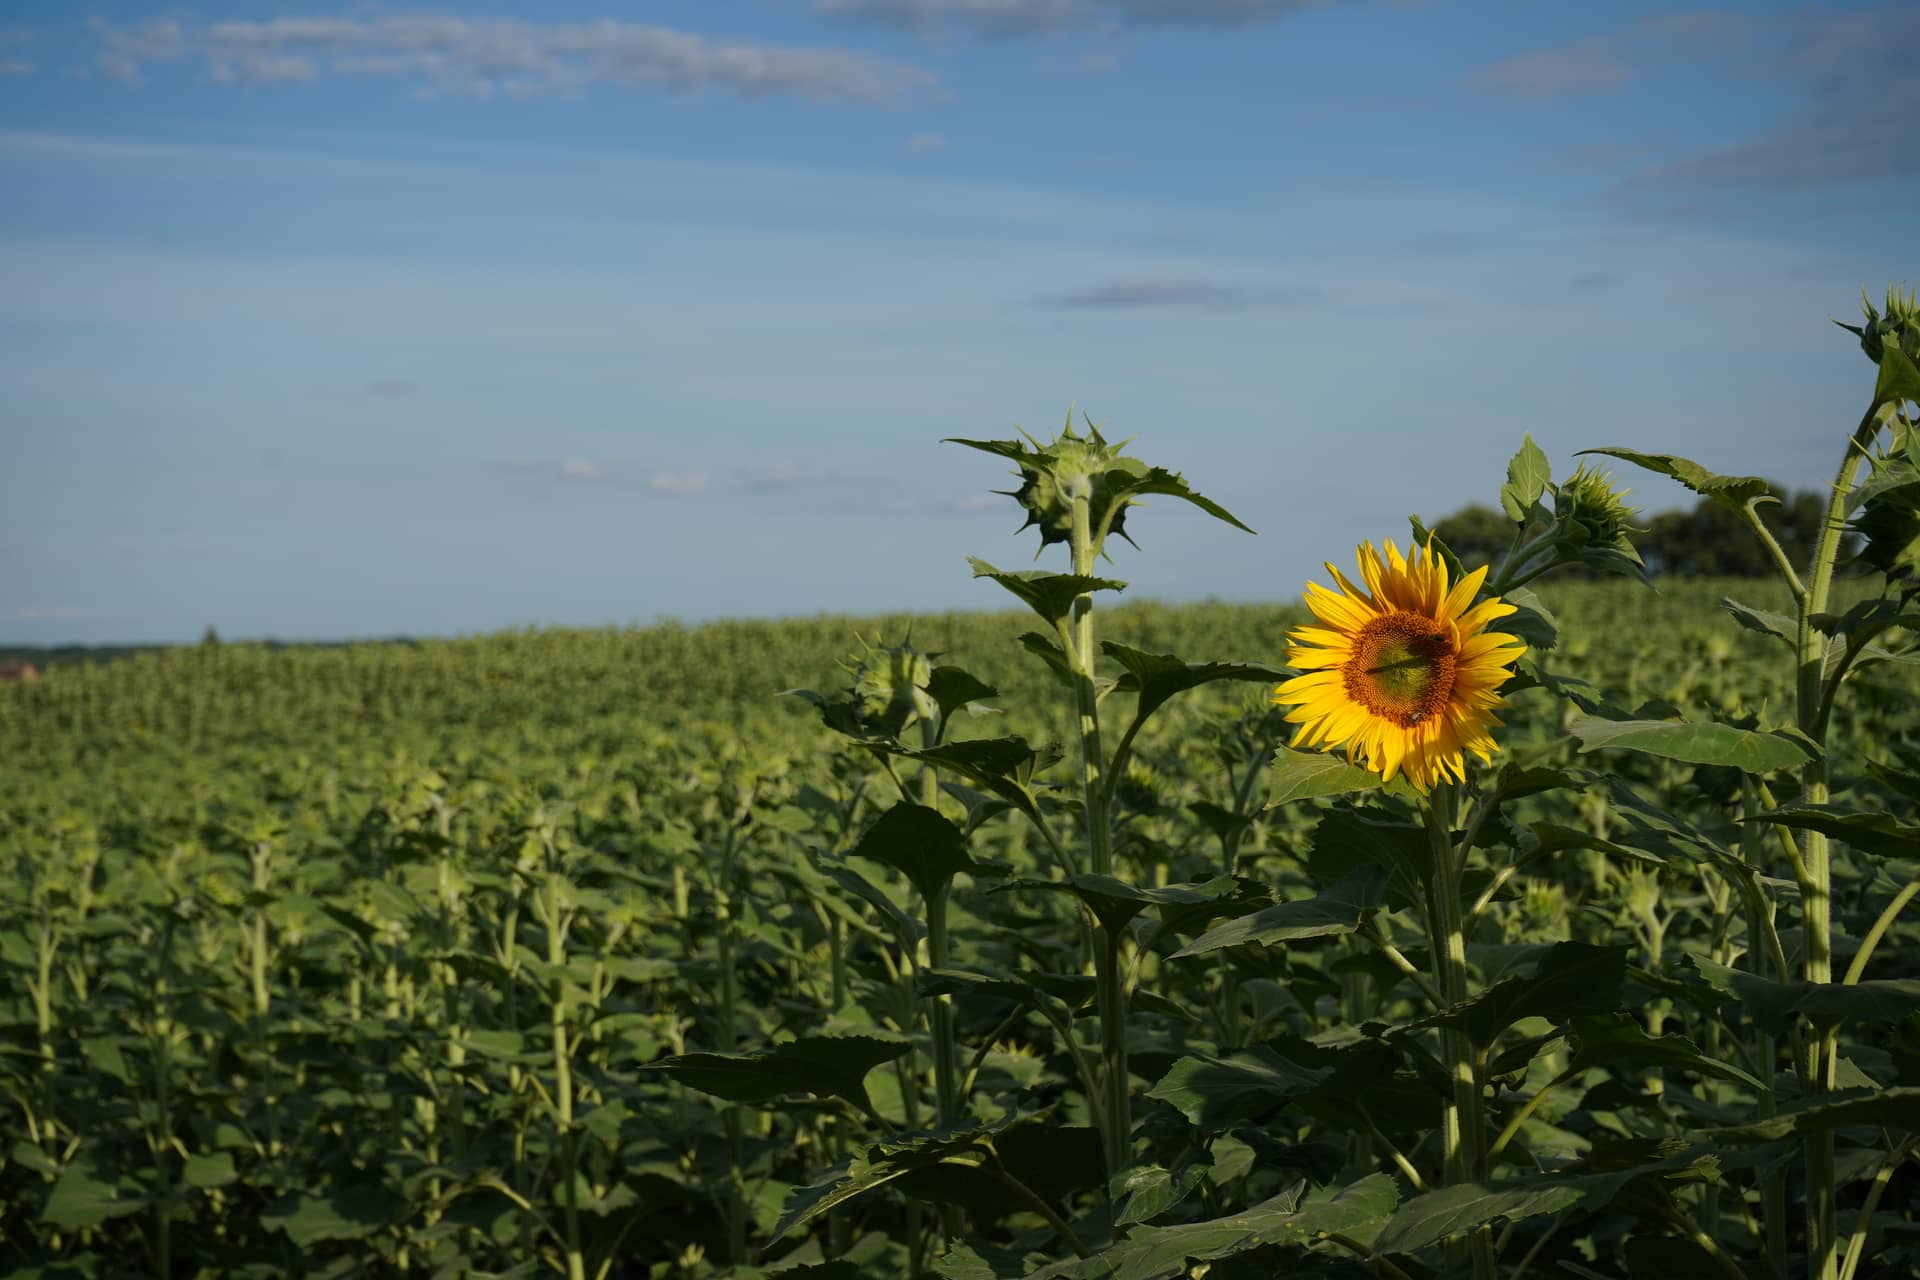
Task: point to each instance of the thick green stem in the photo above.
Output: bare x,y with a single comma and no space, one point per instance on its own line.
1463,1125
1096,795
563,1082
1817,1061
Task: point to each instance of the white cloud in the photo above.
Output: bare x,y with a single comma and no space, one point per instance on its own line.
581,469
481,57
15,67
926,143
1043,17
677,481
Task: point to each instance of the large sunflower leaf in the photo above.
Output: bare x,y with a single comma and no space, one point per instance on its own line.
1528,475
1728,491
1339,908
1572,979
1155,677
1305,775
1051,595
1214,1092
922,844
1159,480
1451,1211
1697,742
1879,833
1290,1218
1880,1108
827,1066
880,1163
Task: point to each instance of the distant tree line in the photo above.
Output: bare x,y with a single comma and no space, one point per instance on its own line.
1707,541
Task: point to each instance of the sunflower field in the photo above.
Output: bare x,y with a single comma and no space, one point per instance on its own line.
1464,920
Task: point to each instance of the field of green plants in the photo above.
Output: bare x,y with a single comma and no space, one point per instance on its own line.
1031,944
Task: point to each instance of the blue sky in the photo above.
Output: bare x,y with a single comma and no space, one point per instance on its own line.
364,319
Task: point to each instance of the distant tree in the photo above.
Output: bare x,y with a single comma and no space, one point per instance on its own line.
1706,541
212,637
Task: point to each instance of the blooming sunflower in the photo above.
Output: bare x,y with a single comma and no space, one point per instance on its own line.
1404,674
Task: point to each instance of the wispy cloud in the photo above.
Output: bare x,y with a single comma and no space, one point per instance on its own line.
921,144
1856,71
10,39
581,469
1205,295
52,613
392,388
484,57
1586,66
1004,18
1853,70
677,482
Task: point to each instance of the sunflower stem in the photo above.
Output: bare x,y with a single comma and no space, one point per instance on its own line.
1096,783
1463,1127
1817,1059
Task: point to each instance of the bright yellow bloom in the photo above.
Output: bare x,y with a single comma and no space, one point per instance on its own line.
1404,674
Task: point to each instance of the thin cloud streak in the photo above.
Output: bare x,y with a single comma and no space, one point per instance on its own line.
482,58
1137,295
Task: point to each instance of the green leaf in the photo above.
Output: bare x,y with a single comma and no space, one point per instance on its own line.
1345,840
880,1163
211,1171
1215,1092
1144,1192
826,1066
1049,652
1051,595
1439,1215
1155,677
1304,775
1114,903
1777,625
85,1197
1615,1040
1774,1005
952,688
1749,750
1167,1253
346,1213
1006,767
1339,908
920,843
1530,621
1572,979
1527,478
1897,1109
1729,491
1158,480
1898,379
1879,833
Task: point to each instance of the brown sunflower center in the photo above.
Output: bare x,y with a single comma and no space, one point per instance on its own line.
1401,669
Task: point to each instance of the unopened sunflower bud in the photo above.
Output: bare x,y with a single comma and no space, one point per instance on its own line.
890,687
1899,325
1073,466
1593,512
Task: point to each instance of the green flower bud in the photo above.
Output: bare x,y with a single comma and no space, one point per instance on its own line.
890,687
1593,512
1070,467
1899,325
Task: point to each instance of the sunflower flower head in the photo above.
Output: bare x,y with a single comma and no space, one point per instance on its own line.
1404,673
